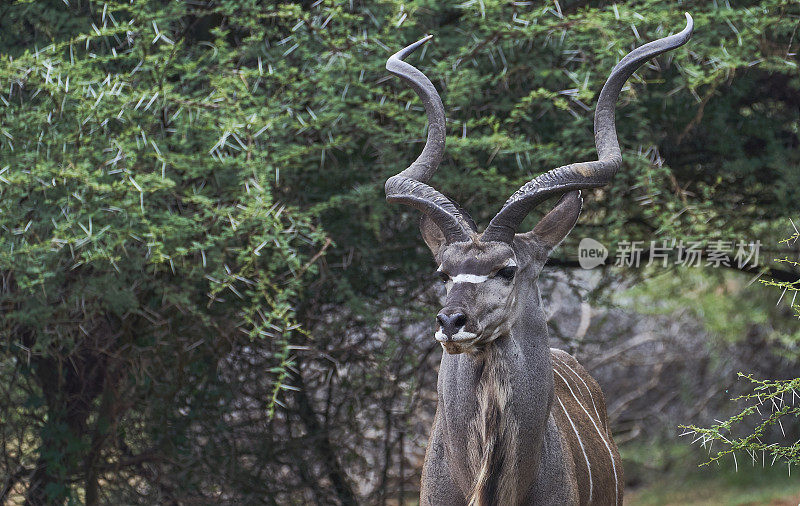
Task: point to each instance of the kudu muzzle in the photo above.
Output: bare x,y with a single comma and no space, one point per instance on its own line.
451,321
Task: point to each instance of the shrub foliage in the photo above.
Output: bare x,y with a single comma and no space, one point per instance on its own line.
199,279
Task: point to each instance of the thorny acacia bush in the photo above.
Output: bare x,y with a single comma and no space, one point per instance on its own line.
769,405
140,241
167,169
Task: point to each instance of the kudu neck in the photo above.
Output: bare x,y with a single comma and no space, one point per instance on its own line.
495,407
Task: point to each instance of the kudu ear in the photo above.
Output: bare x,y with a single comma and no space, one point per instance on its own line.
432,235
555,225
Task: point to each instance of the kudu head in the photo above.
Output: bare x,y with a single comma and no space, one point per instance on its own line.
486,272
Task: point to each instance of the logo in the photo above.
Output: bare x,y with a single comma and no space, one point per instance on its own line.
591,253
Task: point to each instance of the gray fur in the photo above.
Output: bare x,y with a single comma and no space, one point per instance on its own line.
495,440
514,354
498,437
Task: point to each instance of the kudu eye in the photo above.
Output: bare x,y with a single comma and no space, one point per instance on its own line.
444,277
506,273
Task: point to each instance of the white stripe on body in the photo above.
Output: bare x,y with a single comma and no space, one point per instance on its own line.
562,362
599,432
588,465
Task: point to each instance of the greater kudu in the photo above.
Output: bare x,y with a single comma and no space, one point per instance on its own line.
517,422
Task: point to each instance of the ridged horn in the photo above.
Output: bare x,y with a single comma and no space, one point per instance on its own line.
584,175
409,186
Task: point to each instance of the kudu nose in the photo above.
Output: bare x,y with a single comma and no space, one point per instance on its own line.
451,322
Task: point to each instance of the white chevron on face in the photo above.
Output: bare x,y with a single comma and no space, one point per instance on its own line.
468,278
475,278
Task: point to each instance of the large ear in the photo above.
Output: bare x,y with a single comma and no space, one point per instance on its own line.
432,235
555,225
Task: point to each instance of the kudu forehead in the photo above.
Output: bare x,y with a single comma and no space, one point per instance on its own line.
476,258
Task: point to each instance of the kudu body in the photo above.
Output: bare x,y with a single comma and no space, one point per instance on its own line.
517,422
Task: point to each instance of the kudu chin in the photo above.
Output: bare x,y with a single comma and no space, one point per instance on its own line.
517,422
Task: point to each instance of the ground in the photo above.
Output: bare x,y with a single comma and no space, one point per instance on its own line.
747,487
